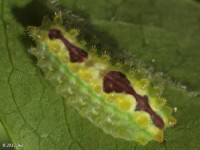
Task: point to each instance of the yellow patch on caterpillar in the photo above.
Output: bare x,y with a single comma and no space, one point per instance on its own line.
85,75
54,46
123,104
142,118
96,86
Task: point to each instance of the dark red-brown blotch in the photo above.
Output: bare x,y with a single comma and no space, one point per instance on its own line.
76,54
115,81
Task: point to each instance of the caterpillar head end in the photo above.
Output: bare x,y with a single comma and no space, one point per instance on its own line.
34,32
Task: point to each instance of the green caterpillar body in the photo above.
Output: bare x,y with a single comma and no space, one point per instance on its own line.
97,90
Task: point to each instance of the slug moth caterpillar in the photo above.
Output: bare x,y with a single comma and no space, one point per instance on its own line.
111,98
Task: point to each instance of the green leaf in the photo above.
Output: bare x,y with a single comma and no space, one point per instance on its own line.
162,34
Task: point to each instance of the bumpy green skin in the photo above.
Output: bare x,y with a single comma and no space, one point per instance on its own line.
93,105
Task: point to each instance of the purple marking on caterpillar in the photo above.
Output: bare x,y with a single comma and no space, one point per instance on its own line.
76,54
115,81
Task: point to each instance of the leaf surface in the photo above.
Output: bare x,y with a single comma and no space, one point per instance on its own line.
162,34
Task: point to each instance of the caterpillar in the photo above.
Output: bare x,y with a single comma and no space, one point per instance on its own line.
112,99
